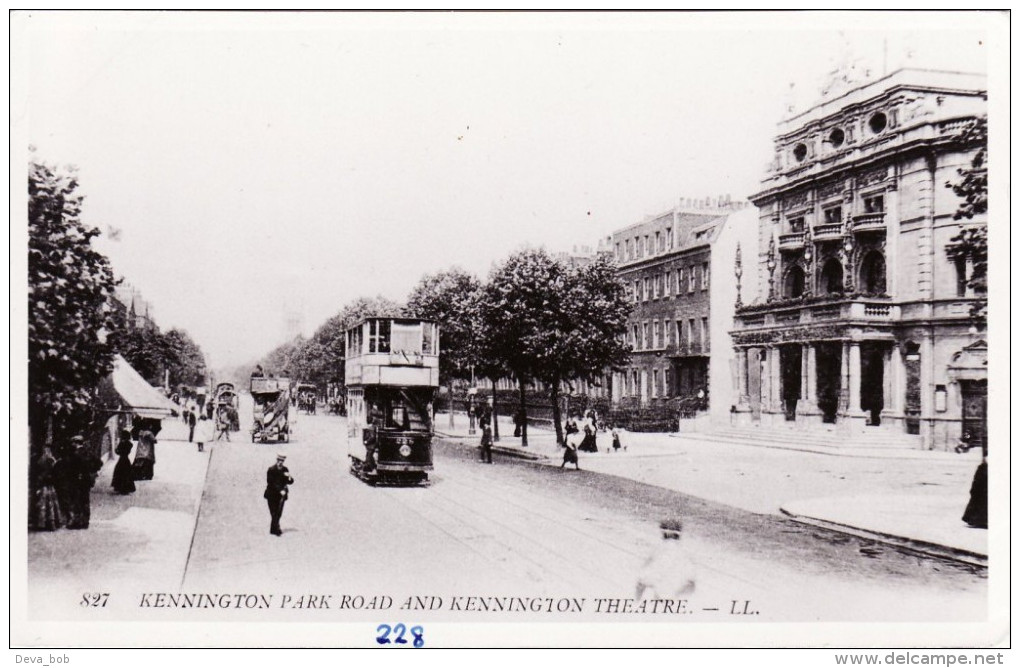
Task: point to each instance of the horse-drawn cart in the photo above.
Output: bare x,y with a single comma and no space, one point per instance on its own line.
271,397
307,395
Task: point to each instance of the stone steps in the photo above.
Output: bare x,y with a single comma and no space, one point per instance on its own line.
812,439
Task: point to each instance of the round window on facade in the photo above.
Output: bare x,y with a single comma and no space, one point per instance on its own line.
877,122
836,138
800,152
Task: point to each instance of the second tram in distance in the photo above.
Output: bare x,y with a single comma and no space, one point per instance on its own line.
391,374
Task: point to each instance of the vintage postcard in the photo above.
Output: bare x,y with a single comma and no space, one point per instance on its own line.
508,329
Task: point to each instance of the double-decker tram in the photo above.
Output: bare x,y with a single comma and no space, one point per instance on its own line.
391,374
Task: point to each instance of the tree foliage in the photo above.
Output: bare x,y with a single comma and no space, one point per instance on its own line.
449,299
548,321
970,244
186,362
153,353
70,286
320,359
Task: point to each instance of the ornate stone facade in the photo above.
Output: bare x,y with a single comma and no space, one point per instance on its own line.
864,311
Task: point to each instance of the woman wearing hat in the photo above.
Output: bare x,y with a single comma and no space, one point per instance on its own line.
123,473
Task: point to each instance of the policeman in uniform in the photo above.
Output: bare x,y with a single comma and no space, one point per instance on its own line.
277,480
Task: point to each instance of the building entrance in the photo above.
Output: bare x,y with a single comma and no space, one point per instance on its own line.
790,362
829,360
975,411
872,385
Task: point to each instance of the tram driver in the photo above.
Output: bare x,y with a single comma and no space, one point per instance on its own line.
376,420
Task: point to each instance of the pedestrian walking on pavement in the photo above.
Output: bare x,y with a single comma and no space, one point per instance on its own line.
976,513
223,425
192,421
487,443
616,440
145,455
277,481
204,432
570,444
589,443
123,473
668,572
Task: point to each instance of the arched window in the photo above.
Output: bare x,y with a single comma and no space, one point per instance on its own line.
873,273
793,286
832,276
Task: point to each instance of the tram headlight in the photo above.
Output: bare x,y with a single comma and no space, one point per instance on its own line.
405,450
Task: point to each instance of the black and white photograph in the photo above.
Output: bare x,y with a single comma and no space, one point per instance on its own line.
416,329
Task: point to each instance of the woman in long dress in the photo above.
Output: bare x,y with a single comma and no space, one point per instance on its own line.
47,515
123,473
589,444
145,455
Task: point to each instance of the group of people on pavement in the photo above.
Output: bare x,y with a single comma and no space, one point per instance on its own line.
62,481
580,434
126,471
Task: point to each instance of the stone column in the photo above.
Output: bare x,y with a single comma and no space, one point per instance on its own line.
898,380
854,405
775,380
743,400
808,402
844,379
887,379
927,392
812,374
805,377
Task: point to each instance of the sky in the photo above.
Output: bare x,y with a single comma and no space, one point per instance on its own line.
258,167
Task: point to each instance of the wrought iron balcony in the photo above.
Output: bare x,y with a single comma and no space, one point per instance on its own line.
828,231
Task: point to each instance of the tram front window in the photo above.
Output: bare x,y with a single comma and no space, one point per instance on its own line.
379,336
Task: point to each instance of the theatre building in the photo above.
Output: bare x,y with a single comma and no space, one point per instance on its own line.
863,320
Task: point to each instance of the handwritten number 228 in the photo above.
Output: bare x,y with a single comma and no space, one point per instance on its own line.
398,631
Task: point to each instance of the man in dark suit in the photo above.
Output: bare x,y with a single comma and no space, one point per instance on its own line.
81,471
277,479
192,421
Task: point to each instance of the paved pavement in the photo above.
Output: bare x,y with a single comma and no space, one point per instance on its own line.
906,498
141,540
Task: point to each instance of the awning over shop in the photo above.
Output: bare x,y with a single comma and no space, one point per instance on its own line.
127,387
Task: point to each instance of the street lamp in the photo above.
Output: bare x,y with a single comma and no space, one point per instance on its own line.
770,263
738,271
471,403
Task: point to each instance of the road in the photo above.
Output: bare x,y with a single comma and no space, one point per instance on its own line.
517,529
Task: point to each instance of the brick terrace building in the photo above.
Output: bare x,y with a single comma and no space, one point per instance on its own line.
863,319
672,265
